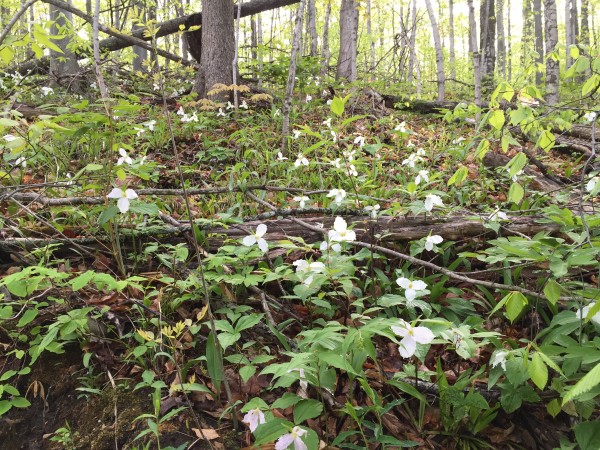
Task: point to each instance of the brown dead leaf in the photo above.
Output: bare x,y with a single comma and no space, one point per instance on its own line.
206,433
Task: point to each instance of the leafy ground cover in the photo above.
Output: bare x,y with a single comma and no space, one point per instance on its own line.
170,279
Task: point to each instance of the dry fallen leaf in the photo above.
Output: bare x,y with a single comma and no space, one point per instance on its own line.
206,433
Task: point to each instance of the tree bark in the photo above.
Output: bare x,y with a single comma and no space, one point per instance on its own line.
501,38
552,68
141,54
311,28
474,53
218,47
371,67
451,39
439,54
539,39
488,48
346,66
325,52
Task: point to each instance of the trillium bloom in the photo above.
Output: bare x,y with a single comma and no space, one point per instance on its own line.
254,418
423,175
411,287
498,215
244,105
499,358
338,194
583,313
301,160
308,98
432,241
349,156
591,116
180,111
221,113
294,437
420,152
47,90
372,210
340,232
150,124
412,159
302,200
351,170
20,161
123,197
411,336
329,245
432,200
9,137
401,127
333,136
257,238
296,133
327,123
124,157
303,266
229,105
360,141
280,156
336,163
591,184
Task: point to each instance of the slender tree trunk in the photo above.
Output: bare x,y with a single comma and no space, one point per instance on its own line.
64,67
413,43
473,51
501,38
569,38
371,38
259,41
346,66
451,37
439,55
289,89
141,54
539,39
509,55
218,47
528,33
584,35
552,68
325,53
311,27
488,45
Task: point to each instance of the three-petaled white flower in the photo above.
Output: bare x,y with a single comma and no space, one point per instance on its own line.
340,232
20,161
432,200
254,418
423,175
193,118
150,124
412,160
583,313
351,170
327,122
229,105
293,437
325,245
410,337
499,358
349,156
432,240
420,152
592,183
303,266
336,163
280,156
47,90
308,98
244,105
411,287
296,133
180,111
372,210
9,137
123,196
301,160
257,238
360,141
401,127
124,157
338,194
221,113
498,215
591,116
302,199
333,136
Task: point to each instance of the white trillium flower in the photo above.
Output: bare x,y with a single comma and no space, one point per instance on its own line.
280,156
221,113
150,124
257,238
47,90
411,336
308,98
583,313
432,200
20,161
420,152
124,157
423,175
432,241
458,140
360,141
412,159
9,137
180,111
276,113
351,170
340,232
303,266
296,133
349,156
139,131
498,215
401,127
244,105
294,437
302,200
329,102
301,160
254,418
336,163
325,246
591,116
499,358
333,136
338,194
372,210
590,186
123,197
229,105
411,287
327,122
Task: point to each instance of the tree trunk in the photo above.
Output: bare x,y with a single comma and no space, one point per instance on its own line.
539,39
141,54
325,53
346,66
413,44
371,38
488,48
451,37
64,69
311,28
508,43
584,35
474,53
501,38
552,68
527,34
439,55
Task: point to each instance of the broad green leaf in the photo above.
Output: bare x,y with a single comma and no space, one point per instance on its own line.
20,402
553,408
497,119
516,164
459,176
246,372
552,291
587,383
4,406
214,361
271,430
546,140
27,317
82,280
337,106
516,193
307,409
587,435
482,149
515,305
590,84
538,371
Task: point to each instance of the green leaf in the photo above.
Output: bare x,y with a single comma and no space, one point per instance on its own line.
590,84
587,383
28,316
553,408
546,140
337,106
587,435
516,193
271,430
246,372
482,149
288,399
5,405
20,402
459,176
108,214
552,291
514,305
516,164
214,361
307,409
147,209
82,280
497,119
538,371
